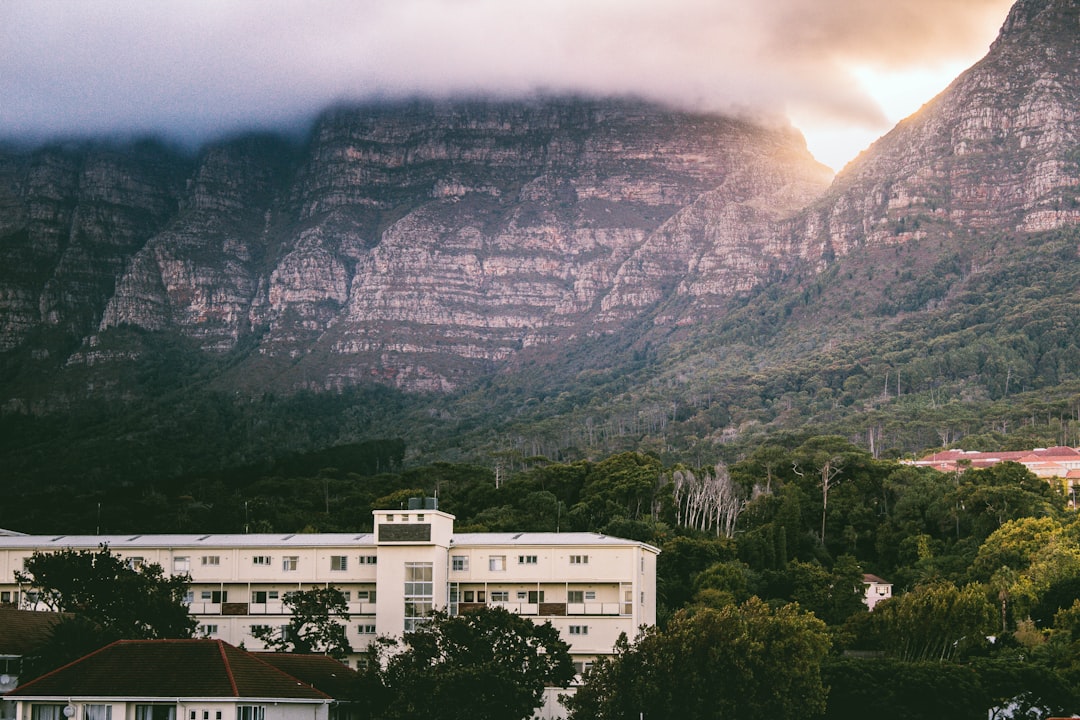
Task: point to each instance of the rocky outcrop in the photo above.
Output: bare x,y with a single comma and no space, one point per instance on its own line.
998,150
421,244
69,219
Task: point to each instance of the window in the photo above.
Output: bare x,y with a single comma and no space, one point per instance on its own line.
579,629
583,666
368,559
536,596
46,712
208,630
389,518
180,564
575,596
497,563
347,594
526,559
339,563
258,597
500,596
260,560
208,560
247,712
590,594
155,712
289,562
420,517
95,712
272,594
419,594
260,629
8,597
579,559
215,596
189,597
366,629
468,596
521,595
459,563
135,562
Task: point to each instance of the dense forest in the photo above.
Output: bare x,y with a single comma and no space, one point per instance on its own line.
985,563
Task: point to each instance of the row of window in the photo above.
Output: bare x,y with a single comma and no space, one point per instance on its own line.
340,563
497,563
405,518
42,711
261,597
415,588
289,563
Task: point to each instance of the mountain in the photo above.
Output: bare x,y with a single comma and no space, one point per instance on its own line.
557,276
419,245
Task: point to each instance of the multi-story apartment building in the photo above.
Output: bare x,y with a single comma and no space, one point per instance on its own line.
591,587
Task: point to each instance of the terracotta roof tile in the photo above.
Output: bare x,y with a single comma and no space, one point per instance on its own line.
169,668
24,631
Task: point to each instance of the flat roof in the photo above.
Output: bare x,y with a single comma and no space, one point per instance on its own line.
299,540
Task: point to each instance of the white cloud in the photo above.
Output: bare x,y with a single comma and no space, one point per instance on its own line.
204,67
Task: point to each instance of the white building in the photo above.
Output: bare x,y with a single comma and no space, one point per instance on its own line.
591,587
877,590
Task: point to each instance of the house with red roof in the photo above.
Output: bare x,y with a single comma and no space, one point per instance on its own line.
1058,465
877,590
170,680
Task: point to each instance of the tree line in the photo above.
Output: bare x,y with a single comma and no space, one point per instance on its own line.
985,566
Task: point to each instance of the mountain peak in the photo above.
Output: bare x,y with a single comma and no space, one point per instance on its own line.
1045,17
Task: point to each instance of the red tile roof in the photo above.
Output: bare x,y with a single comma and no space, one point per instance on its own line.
169,669
320,671
24,631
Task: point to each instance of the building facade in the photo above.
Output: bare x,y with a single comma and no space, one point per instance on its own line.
591,587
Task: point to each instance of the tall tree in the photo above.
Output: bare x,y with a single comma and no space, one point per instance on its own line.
738,662
488,664
124,598
316,625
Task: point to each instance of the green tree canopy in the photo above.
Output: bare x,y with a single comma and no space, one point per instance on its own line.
488,664
738,662
317,624
124,598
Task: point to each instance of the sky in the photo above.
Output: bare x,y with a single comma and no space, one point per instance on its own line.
842,71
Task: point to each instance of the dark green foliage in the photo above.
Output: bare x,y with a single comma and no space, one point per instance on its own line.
128,602
743,662
317,622
487,664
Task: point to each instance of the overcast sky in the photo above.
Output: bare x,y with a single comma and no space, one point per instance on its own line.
843,70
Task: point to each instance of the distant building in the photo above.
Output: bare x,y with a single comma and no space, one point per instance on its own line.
876,590
1059,465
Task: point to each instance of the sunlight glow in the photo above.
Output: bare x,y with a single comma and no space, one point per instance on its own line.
899,93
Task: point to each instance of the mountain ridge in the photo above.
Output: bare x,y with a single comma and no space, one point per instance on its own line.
571,275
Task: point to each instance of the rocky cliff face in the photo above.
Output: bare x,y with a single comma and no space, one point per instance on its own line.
415,244
998,150
423,244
